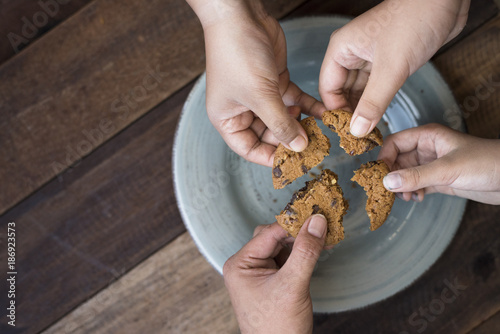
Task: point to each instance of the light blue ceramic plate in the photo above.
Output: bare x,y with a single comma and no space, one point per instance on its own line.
222,197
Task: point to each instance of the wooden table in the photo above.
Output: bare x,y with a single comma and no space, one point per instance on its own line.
89,107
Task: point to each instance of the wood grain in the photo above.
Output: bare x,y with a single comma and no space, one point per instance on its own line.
102,216
472,68
88,79
174,291
116,207
492,325
24,21
480,12
81,232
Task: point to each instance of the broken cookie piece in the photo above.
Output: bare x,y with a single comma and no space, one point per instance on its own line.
289,165
380,200
322,195
339,121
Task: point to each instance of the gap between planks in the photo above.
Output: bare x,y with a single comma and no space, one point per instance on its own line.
174,291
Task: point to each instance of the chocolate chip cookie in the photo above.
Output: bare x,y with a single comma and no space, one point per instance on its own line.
289,165
339,121
380,200
322,195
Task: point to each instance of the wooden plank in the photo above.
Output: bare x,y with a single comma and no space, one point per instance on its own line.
62,90
480,12
472,69
24,21
103,219
88,79
492,325
174,291
98,220
79,233
349,8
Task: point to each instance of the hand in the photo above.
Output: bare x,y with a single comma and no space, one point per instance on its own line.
267,295
249,92
435,158
369,59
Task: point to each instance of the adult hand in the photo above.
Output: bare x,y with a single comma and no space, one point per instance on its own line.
250,98
435,158
369,59
267,295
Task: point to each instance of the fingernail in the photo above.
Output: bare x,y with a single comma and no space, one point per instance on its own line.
360,126
298,144
414,196
399,195
317,226
392,181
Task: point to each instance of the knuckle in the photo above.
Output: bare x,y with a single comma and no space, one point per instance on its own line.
412,177
228,268
307,251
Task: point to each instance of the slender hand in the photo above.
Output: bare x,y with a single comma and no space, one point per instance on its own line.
435,158
250,98
269,293
369,59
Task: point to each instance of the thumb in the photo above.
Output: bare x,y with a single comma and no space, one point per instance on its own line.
436,173
306,250
384,82
284,127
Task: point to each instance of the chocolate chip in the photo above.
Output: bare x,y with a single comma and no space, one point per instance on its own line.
315,209
304,169
287,181
301,156
289,211
369,147
333,203
331,126
277,171
351,153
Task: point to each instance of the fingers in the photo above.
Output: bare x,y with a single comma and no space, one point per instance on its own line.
419,160
436,173
385,80
261,249
308,104
306,251
332,79
273,112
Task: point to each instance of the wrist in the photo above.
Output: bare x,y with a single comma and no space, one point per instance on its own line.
215,11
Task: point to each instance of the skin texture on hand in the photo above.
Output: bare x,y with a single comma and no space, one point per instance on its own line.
434,158
268,285
250,98
369,59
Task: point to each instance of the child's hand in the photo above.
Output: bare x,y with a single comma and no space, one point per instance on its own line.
387,44
249,92
435,158
270,293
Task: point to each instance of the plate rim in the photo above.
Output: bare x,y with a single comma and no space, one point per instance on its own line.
197,239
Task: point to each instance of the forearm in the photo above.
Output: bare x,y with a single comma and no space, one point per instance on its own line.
213,11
